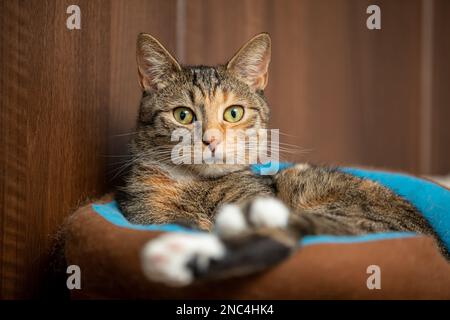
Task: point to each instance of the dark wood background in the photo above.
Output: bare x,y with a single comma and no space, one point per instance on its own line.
69,99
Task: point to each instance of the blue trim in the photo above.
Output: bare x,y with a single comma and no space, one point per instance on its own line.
431,199
270,167
320,239
111,212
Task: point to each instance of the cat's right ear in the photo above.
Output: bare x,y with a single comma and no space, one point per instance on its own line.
251,62
156,66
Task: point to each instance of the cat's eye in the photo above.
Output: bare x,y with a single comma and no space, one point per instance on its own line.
233,113
183,115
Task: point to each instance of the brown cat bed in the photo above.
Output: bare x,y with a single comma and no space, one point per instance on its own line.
107,250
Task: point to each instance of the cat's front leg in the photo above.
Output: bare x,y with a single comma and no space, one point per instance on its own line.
176,259
247,239
259,214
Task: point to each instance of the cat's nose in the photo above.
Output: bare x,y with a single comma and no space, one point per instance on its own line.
211,143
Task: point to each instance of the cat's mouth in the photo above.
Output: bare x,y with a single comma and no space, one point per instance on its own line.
204,162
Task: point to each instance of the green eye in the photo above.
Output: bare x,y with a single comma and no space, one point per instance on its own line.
233,113
183,115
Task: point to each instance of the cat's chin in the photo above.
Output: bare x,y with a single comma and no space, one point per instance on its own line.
216,170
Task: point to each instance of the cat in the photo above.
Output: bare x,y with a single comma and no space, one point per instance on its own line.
256,220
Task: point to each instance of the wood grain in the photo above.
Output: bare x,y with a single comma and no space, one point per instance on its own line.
54,116
128,19
69,99
346,94
440,133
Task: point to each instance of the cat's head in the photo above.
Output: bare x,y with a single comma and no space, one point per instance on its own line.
191,99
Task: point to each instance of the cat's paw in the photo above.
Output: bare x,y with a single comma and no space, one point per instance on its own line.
268,212
263,212
230,221
176,258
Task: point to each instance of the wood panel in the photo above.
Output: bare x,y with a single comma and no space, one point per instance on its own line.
440,133
128,19
54,119
66,96
348,95
386,84
69,99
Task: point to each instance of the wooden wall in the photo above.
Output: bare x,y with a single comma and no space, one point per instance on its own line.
440,88
69,99
55,94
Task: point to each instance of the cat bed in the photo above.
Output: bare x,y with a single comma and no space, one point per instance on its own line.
107,249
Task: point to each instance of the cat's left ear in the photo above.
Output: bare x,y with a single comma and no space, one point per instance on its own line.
156,66
251,62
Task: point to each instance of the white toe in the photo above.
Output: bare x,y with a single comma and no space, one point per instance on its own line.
230,221
166,258
269,212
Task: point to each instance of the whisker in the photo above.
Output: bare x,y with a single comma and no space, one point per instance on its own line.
124,134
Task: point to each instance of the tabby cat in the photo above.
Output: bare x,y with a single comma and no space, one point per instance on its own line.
256,220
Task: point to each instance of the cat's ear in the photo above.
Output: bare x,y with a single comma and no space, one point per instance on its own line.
251,62
156,66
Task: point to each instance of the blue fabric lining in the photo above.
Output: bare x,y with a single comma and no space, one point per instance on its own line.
319,239
431,199
111,212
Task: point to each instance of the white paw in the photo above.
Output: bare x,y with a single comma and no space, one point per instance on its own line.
166,259
230,221
269,212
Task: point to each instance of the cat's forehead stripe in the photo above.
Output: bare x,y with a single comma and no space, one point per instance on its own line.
221,97
207,79
207,86
192,96
196,80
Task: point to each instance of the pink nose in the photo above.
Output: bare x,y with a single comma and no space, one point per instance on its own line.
211,143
